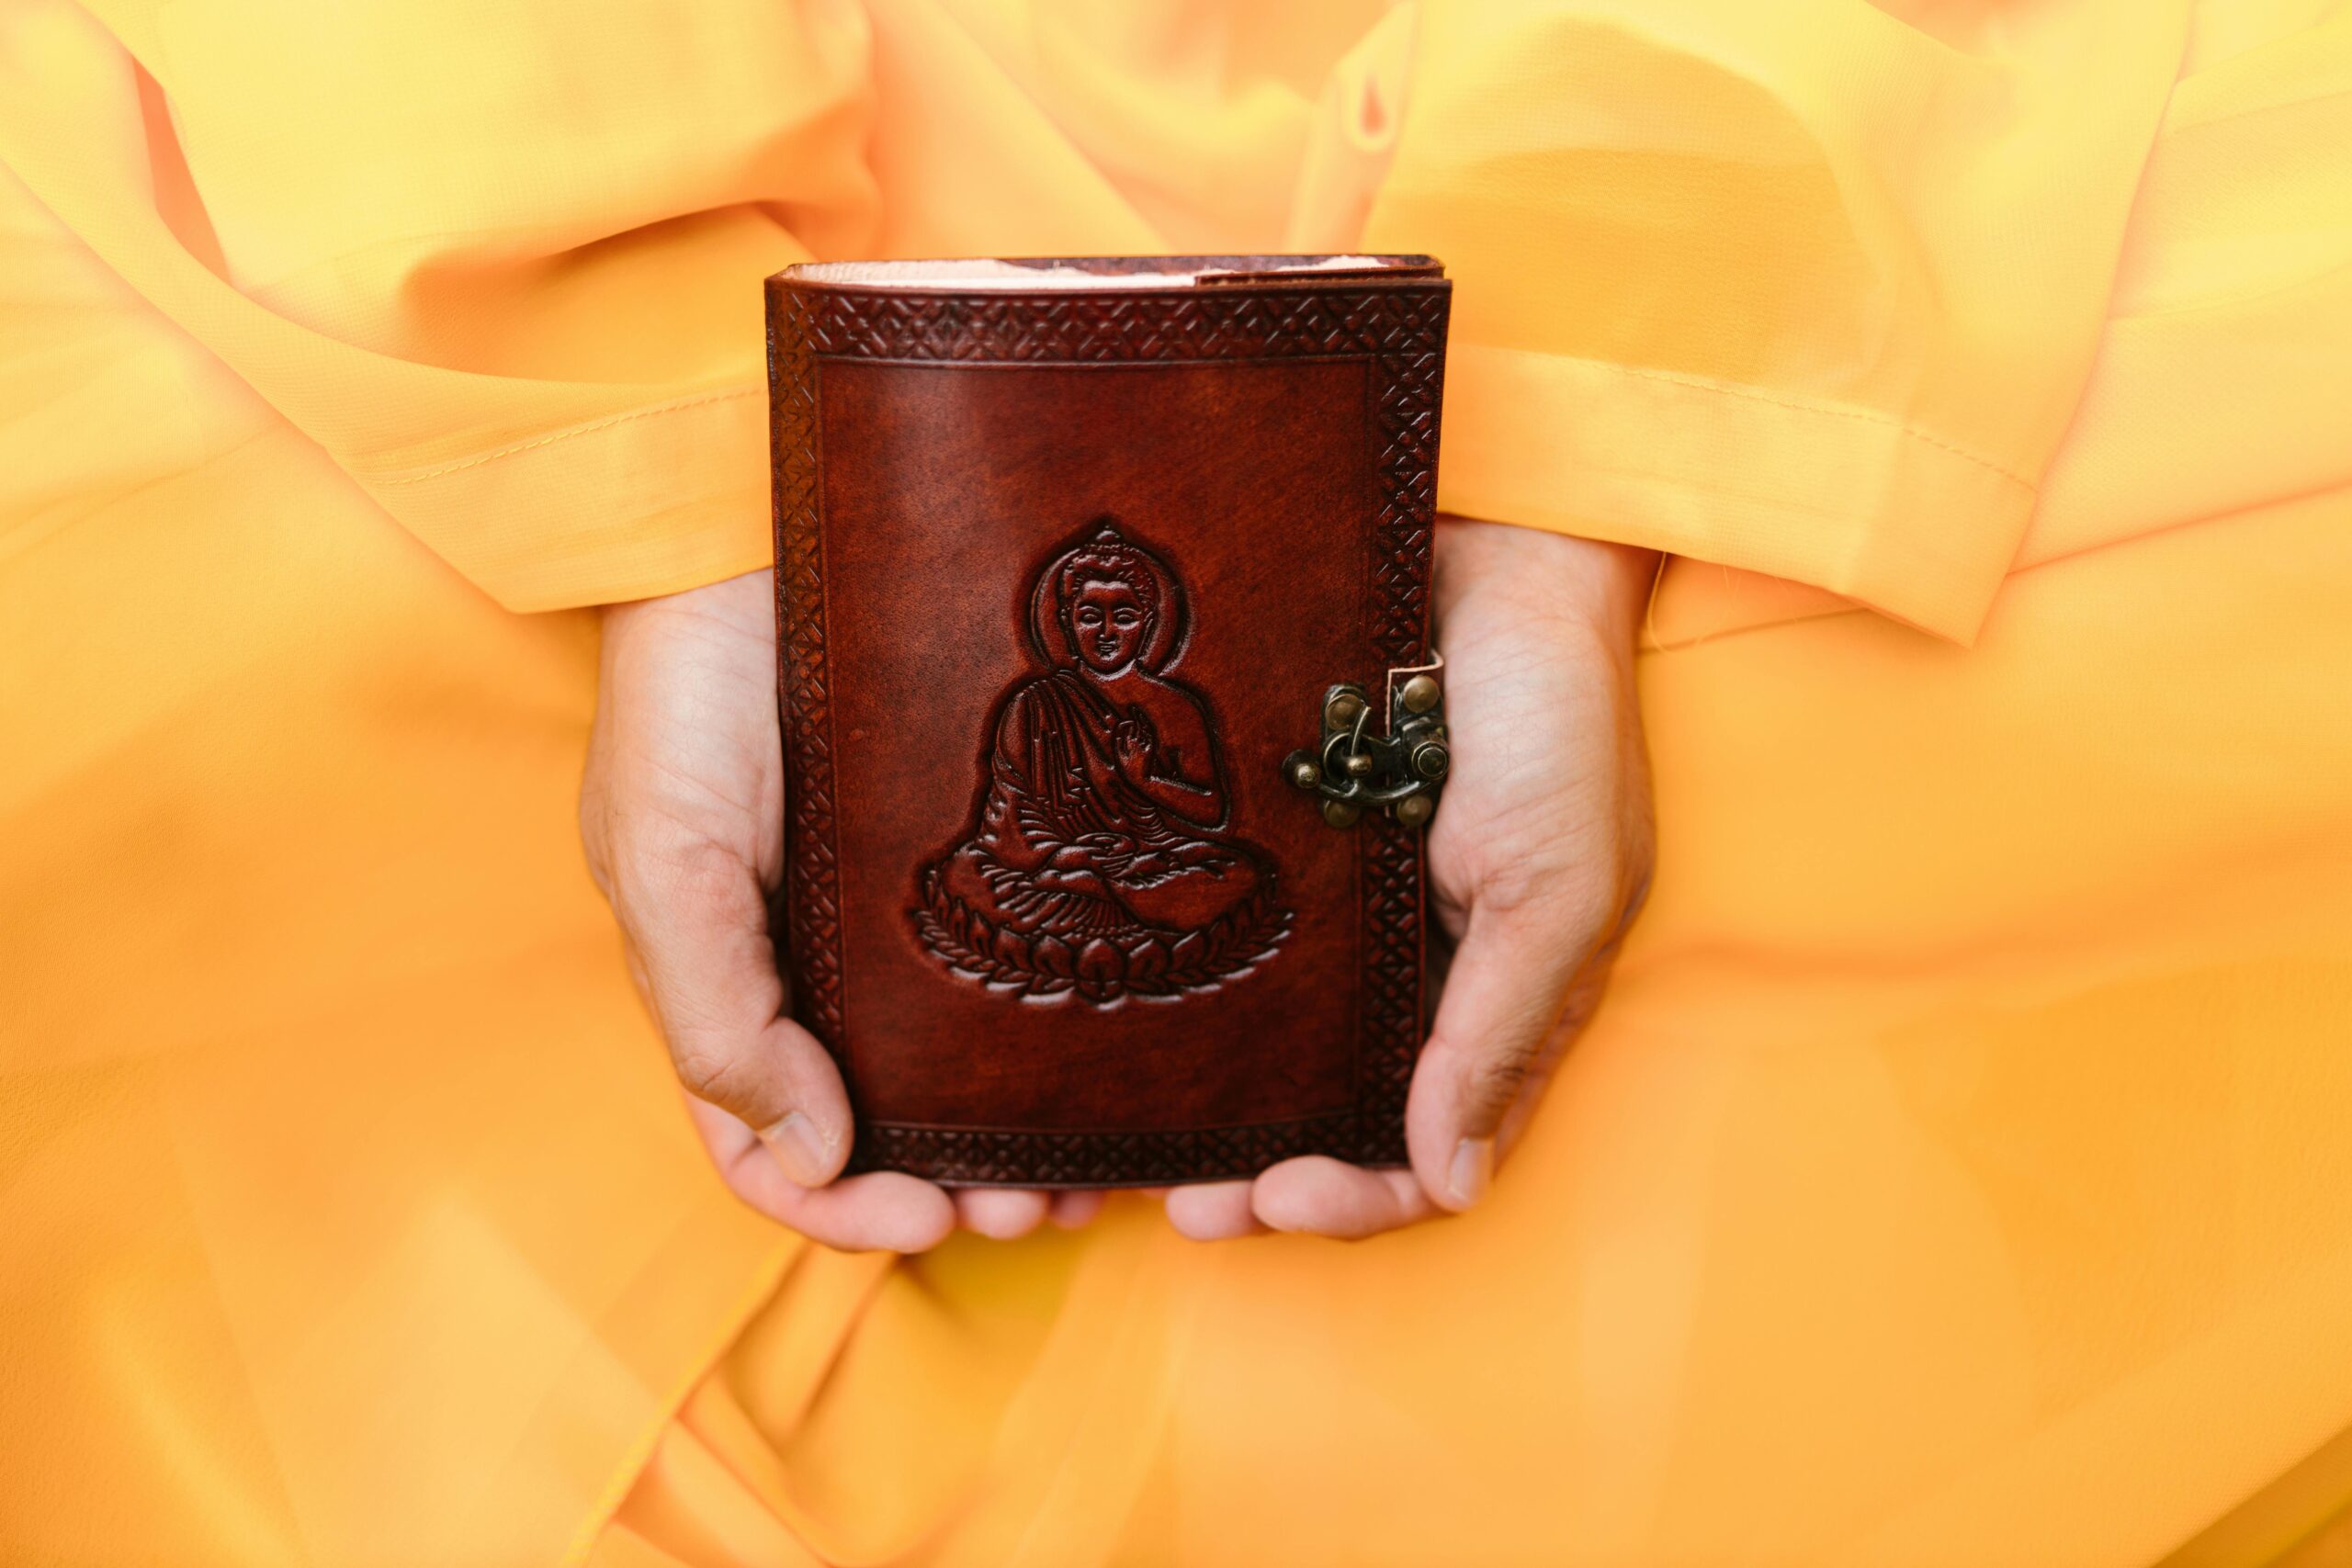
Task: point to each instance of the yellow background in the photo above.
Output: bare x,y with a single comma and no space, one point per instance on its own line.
1960,1173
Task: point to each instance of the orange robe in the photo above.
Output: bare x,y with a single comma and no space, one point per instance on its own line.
1960,1172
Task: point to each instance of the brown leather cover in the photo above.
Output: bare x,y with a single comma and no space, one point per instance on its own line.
1065,567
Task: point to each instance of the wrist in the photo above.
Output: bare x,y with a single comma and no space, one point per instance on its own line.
1593,587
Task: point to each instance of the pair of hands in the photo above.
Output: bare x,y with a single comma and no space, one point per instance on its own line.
1539,858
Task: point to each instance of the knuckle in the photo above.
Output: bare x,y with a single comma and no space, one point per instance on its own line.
1492,1085
665,874
716,1077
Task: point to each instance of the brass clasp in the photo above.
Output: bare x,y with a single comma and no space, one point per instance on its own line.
1399,769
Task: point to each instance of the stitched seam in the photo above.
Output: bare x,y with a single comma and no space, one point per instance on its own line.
2255,513
1828,511
1801,405
1919,609
421,475
1856,528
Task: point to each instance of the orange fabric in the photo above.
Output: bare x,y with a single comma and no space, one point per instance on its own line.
1957,1174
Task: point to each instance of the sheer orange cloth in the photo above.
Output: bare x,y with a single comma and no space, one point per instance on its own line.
1960,1173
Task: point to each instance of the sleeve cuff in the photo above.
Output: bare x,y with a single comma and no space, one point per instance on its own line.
649,502
1848,498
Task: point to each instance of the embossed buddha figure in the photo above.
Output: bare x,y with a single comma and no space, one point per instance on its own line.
1097,864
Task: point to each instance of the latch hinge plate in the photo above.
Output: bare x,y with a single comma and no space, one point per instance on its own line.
1399,769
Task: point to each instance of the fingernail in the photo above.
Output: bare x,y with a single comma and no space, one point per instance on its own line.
806,1154
1474,1166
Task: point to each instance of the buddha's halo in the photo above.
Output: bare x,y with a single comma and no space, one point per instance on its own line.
1103,538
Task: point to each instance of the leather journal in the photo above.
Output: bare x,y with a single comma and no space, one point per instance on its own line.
1110,719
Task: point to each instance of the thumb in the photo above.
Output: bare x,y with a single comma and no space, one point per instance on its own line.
699,924
1504,996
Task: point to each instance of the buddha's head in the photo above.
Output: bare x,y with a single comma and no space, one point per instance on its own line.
1107,599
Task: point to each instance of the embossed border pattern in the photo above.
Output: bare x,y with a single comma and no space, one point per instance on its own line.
1400,329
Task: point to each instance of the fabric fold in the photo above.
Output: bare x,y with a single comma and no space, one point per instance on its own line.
1809,291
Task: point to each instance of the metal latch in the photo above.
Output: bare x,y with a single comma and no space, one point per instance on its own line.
1399,769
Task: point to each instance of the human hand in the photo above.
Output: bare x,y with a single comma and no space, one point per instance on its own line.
1539,859
682,813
